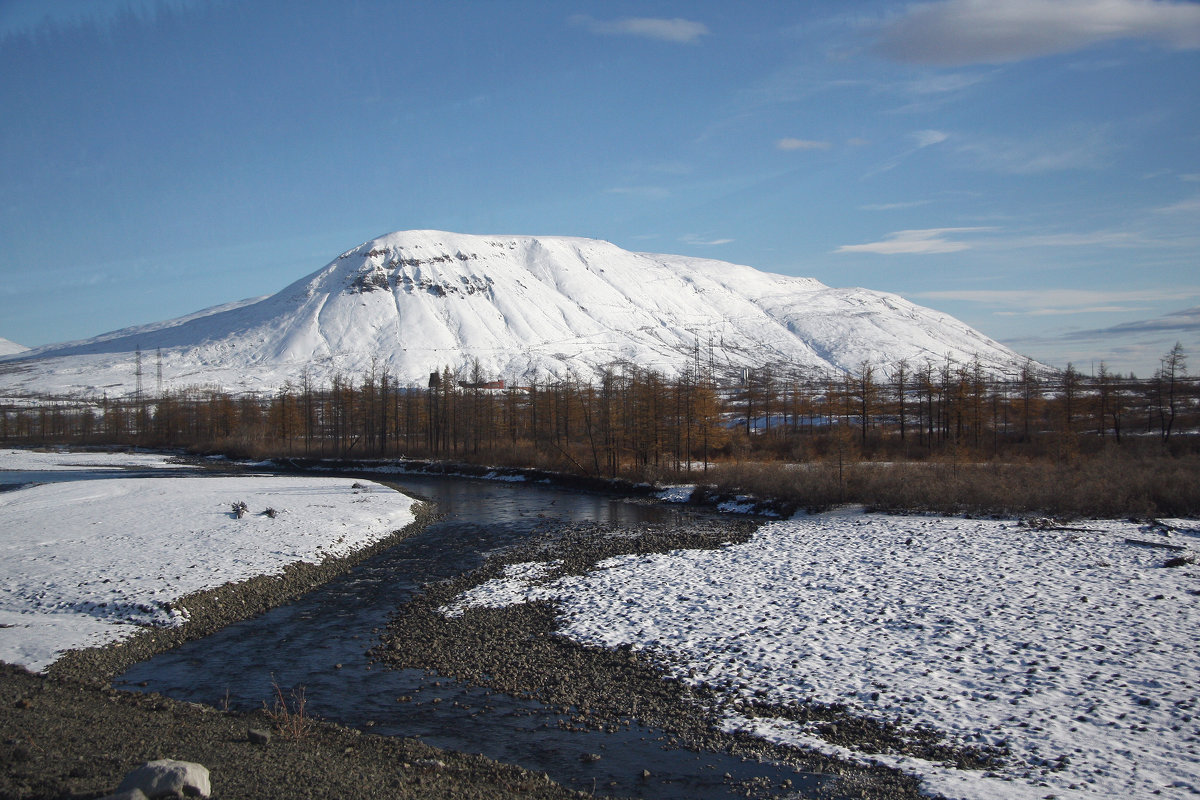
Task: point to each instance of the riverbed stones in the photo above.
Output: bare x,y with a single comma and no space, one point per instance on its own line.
168,778
516,650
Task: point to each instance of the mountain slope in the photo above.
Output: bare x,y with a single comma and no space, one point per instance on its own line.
9,348
524,308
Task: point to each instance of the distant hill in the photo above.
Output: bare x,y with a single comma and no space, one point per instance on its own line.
7,348
522,308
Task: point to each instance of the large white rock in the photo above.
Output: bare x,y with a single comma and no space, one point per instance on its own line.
166,778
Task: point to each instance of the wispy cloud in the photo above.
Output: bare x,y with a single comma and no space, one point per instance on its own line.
1129,346
1185,321
1119,354
914,242
681,31
920,140
928,138
927,94
802,144
1047,302
697,240
958,32
1190,205
1072,149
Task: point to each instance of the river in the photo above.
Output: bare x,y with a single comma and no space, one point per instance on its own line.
320,641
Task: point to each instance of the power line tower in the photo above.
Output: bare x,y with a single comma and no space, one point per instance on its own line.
137,371
158,388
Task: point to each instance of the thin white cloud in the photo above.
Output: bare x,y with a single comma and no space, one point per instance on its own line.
1136,346
1069,149
696,240
1040,302
1058,312
929,138
920,140
801,144
681,31
914,242
1185,321
1189,206
927,94
958,32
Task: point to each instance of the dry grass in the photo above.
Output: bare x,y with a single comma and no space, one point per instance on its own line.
289,717
1105,486
1065,477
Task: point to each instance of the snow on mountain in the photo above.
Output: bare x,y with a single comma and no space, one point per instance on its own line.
9,348
524,307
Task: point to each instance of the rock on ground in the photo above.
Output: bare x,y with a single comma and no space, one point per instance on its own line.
167,778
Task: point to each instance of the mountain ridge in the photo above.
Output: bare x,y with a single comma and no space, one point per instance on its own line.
522,308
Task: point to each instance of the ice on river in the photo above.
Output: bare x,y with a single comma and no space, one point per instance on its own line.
85,562
1074,649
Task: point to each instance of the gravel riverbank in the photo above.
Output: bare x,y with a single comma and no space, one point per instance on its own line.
69,734
516,650
62,738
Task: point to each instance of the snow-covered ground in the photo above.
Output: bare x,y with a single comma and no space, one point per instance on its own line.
86,560
1076,650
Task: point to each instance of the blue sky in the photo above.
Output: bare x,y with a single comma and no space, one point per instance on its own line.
1031,167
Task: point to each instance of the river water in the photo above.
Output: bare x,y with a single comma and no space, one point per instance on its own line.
320,641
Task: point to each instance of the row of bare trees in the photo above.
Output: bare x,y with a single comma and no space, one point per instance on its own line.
637,422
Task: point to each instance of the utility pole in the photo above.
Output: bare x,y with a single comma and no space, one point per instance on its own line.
137,371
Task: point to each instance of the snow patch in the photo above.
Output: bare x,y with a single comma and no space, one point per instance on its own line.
86,562
676,494
1072,649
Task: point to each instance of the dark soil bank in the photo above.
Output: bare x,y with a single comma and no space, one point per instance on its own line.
517,651
60,738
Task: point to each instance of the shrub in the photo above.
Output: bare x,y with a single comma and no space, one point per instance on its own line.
289,718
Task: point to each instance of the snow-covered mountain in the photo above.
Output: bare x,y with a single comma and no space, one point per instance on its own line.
525,308
9,348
